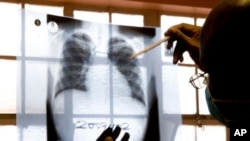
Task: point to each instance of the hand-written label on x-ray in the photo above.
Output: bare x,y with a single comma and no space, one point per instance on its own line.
99,125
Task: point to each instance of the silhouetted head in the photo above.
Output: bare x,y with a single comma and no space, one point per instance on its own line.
225,40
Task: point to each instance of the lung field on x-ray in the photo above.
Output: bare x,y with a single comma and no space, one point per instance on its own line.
76,54
119,52
74,64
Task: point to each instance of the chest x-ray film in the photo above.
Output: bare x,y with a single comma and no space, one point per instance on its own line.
81,73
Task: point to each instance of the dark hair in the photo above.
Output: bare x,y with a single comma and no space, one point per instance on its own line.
225,40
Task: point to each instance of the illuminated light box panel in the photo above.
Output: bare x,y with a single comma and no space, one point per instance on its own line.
82,70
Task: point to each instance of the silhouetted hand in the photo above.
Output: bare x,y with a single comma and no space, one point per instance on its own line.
111,135
188,39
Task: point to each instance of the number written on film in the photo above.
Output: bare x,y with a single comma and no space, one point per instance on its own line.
99,125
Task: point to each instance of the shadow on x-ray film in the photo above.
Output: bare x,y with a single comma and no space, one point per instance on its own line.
95,84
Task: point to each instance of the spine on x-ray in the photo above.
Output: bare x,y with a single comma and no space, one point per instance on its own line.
119,53
74,64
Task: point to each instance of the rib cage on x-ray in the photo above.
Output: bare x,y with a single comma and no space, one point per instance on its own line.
76,54
119,52
75,60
